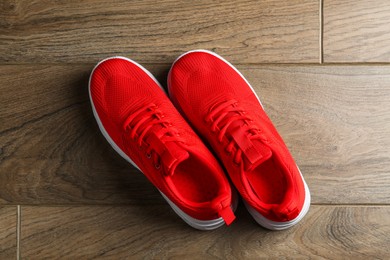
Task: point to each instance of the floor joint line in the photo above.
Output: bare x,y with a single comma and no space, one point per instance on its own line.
321,17
18,225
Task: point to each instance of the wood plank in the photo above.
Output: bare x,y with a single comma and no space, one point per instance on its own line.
336,122
356,31
87,31
8,220
335,119
52,150
156,232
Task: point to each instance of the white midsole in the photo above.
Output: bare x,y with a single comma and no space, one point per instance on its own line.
275,225
256,215
198,224
202,224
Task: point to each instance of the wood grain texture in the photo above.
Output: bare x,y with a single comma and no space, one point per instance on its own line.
157,233
51,148
86,31
356,31
335,120
8,220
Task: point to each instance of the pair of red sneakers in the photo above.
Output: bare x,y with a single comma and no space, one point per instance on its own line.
140,122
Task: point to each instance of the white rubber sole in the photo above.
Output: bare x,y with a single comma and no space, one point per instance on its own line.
195,223
260,219
275,225
202,224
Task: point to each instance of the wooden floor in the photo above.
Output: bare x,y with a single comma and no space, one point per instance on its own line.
321,69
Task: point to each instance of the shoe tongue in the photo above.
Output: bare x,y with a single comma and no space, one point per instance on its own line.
254,151
172,156
171,153
263,154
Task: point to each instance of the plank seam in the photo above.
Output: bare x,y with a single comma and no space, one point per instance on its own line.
321,17
18,225
234,63
164,204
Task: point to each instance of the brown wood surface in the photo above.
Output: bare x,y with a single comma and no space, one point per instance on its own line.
80,200
335,119
336,122
149,31
156,232
8,220
52,149
356,31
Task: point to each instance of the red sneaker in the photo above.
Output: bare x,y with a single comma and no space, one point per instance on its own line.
222,106
142,125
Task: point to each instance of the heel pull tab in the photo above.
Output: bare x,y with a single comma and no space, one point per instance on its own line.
286,214
227,214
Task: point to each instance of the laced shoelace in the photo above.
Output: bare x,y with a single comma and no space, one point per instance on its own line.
222,116
139,124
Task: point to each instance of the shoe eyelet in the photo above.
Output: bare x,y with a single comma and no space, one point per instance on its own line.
157,166
148,155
